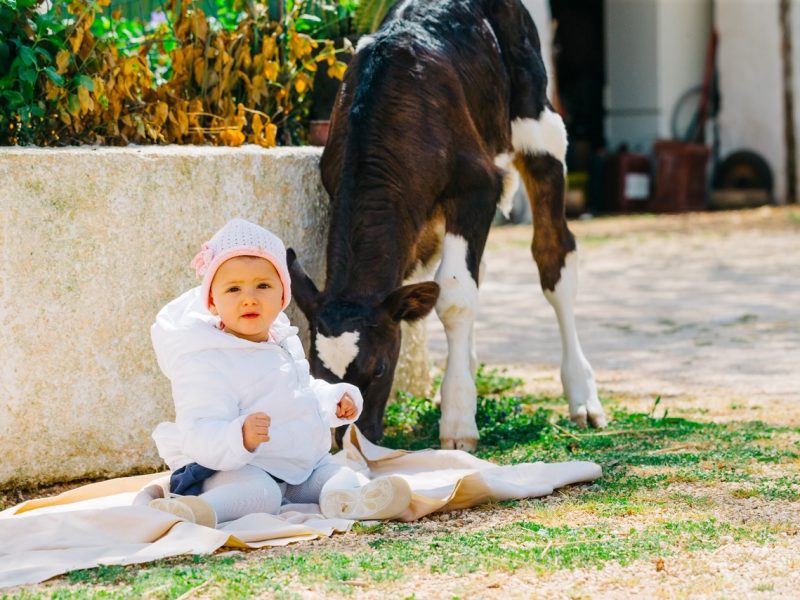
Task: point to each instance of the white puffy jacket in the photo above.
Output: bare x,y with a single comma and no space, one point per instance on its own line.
218,379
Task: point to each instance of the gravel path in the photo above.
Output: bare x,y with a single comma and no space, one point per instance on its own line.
701,309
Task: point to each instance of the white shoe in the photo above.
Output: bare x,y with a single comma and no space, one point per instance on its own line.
383,498
147,495
189,508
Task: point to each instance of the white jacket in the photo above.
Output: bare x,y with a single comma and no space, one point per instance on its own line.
218,379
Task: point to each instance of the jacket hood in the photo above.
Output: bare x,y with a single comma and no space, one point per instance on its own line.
185,325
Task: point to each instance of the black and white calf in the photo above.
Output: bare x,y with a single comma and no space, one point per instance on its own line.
440,112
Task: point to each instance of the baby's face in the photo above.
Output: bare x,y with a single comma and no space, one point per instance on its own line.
247,295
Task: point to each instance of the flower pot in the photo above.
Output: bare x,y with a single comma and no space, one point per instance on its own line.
318,132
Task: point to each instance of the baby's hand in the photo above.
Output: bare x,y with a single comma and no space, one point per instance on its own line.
255,430
346,409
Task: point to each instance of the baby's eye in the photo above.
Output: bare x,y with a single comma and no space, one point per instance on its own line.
264,286
233,288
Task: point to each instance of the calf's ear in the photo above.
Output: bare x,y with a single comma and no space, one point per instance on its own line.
412,302
304,292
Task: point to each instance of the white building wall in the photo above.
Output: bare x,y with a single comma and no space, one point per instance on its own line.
683,32
540,11
655,51
632,57
751,82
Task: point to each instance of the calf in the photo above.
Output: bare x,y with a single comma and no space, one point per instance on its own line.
440,112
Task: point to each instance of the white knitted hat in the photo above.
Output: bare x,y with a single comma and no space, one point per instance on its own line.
241,238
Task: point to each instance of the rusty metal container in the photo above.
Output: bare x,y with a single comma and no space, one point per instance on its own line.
681,176
628,182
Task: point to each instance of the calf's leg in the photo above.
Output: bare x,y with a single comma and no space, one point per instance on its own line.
468,224
540,146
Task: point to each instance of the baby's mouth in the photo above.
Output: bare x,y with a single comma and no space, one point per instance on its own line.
250,316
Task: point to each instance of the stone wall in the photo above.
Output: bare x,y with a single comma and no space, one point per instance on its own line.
94,241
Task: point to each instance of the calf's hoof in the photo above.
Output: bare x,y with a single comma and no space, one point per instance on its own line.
597,418
466,444
590,414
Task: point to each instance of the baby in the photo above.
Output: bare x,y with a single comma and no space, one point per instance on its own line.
251,425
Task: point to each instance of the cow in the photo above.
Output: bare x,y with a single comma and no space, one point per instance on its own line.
440,113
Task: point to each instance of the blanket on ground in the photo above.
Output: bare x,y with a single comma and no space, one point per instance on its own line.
97,525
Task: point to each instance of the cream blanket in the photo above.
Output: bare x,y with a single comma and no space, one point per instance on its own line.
97,525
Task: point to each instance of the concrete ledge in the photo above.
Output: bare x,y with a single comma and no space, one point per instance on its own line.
94,242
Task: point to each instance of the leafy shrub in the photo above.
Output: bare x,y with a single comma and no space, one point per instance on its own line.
68,77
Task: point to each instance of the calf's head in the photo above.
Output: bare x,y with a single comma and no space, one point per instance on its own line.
355,337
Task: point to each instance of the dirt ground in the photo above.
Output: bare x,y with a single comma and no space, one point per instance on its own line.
702,309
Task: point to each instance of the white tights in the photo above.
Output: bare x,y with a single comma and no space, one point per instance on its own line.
234,494
326,477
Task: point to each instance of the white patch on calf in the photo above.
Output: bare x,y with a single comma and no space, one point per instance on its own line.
458,296
510,183
545,135
576,372
336,353
488,26
457,307
402,8
363,42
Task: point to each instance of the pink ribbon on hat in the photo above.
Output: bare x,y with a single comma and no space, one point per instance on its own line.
202,261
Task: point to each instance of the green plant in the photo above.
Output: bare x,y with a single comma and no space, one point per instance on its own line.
329,19
339,19
413,422
67,76
493,381
29,43
370,14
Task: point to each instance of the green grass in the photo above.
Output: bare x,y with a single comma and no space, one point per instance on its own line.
520,544
640,509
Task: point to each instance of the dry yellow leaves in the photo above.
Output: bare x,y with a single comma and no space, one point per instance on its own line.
264,134
337,70
302,83
86,102
271,70
99,88
257,89
161,114
76,40
52,91
232,137
199,70
225,87
268,47
300,45
62,61
199,25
